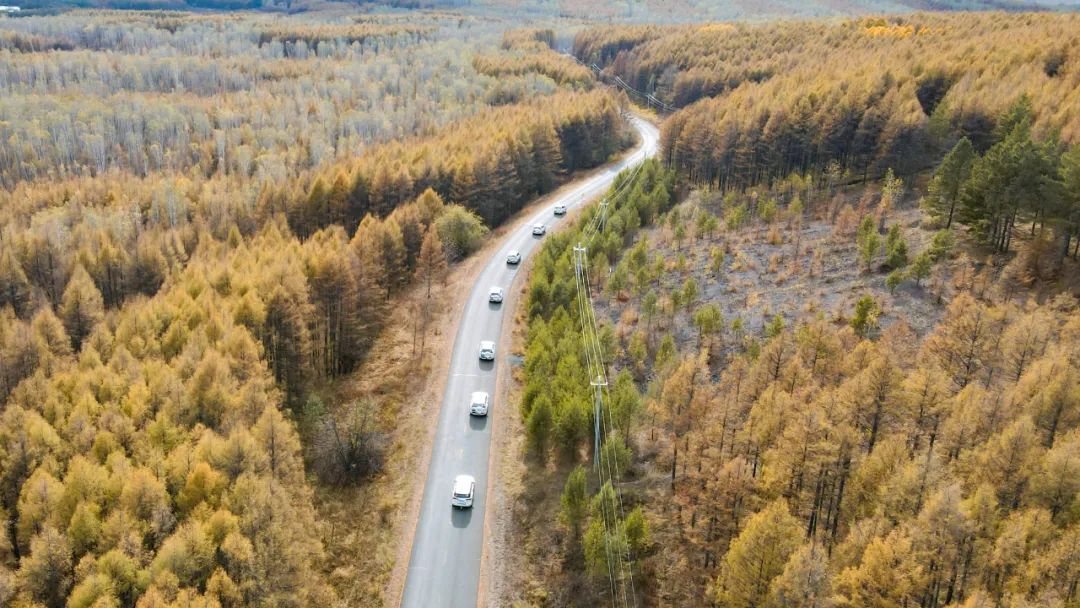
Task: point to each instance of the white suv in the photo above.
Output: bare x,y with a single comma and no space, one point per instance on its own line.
487,350
539,229
495,294
464,489
560,209
478,404
514,257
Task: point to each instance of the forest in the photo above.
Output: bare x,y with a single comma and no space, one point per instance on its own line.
204,220
842,369
800,453
758,106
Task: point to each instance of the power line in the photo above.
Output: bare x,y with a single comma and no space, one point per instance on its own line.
580,260
610,428
612,510
648,99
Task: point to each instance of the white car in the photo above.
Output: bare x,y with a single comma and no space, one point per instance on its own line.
514,257
487,350
478,404
539,229
560,209
495,294
464,489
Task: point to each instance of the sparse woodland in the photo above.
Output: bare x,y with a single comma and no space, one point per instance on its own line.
843,370
204,220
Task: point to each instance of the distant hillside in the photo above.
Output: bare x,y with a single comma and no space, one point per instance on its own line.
32,6
658,11
604,10
698,10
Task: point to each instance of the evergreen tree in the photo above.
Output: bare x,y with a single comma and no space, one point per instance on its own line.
574,501
896,250
949,177
865,317
1069,215
921,266
14,286
82,307
868,241
1015,176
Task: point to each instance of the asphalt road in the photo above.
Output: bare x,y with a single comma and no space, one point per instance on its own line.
444,568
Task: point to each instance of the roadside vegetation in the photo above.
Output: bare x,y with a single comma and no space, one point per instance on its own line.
830,385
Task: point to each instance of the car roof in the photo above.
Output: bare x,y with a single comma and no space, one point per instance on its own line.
479,396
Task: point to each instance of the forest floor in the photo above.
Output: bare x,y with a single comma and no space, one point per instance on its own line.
781,268
367,530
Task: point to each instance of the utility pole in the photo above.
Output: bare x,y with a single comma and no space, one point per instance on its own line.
579,256
598,403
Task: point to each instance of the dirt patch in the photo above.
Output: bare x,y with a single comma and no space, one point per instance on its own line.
761,279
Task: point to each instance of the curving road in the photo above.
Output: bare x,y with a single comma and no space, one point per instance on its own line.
444,568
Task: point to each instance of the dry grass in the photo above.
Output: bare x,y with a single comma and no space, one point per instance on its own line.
774,263
363,525
774,237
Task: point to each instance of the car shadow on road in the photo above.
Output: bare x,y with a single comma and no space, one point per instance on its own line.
487,366
478,423
460,518
494,305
